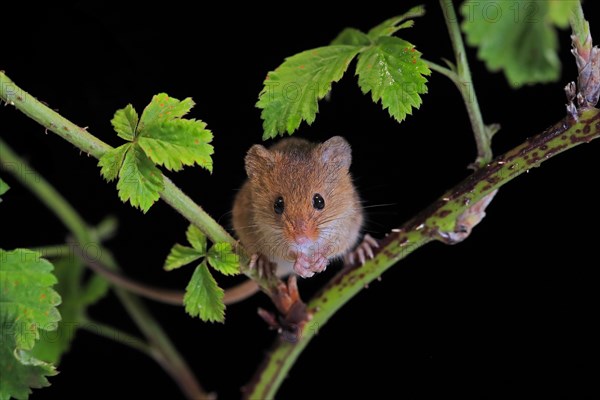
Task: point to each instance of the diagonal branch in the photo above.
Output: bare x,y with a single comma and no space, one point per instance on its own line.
437,222
172,195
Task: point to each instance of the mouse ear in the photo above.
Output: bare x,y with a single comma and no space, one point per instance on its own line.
258,158
336,151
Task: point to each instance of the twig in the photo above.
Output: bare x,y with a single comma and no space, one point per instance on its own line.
171,360
464,82
171,194
434,223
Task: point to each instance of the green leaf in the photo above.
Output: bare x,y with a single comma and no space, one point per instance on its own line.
3,188
516,37
222,258
203,297
196,238
27,296
140,181
112,161
352,37
164,108
291,93
19,371
393,25
394,73
125,122
180,256
28,307
160,137
560,11
179,142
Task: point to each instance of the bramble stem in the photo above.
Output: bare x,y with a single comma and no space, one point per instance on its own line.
432,224
86,142
171,194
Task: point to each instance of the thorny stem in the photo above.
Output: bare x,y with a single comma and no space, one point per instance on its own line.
464,82
86,142
171,194
163,349
434,223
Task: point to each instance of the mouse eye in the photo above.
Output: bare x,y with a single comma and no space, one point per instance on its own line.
278,206
318,202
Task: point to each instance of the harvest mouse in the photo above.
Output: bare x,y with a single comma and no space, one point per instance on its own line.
299,208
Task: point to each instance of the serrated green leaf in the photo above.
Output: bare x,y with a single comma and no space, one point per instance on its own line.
196,238
560,11
351,37
180,256
27,296
394,73
111,162
19,371
291,93
28,308
515,37
140,182
203,297
164,108
178,142
125,122
3,188
222,258
77,295
393,25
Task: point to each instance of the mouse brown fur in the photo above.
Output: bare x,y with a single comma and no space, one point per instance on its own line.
318,215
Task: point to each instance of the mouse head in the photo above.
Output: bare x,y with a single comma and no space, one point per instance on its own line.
303,196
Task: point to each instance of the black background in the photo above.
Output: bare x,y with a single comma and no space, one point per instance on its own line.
507,313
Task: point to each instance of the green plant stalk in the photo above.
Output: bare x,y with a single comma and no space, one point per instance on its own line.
171,194
447,72
53,251
323,306
580,27
431,224
117,335
464,83
105,230
82,139
162,346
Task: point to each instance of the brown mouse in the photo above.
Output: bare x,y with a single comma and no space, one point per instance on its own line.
299,207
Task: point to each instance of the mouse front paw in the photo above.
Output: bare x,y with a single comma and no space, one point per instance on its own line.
306,266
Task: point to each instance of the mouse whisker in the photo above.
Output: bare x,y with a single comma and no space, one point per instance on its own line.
380,205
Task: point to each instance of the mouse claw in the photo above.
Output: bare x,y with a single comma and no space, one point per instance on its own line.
263,266
363,252
253,260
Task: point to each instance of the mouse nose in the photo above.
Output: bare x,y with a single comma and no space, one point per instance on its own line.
302,240
304,233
